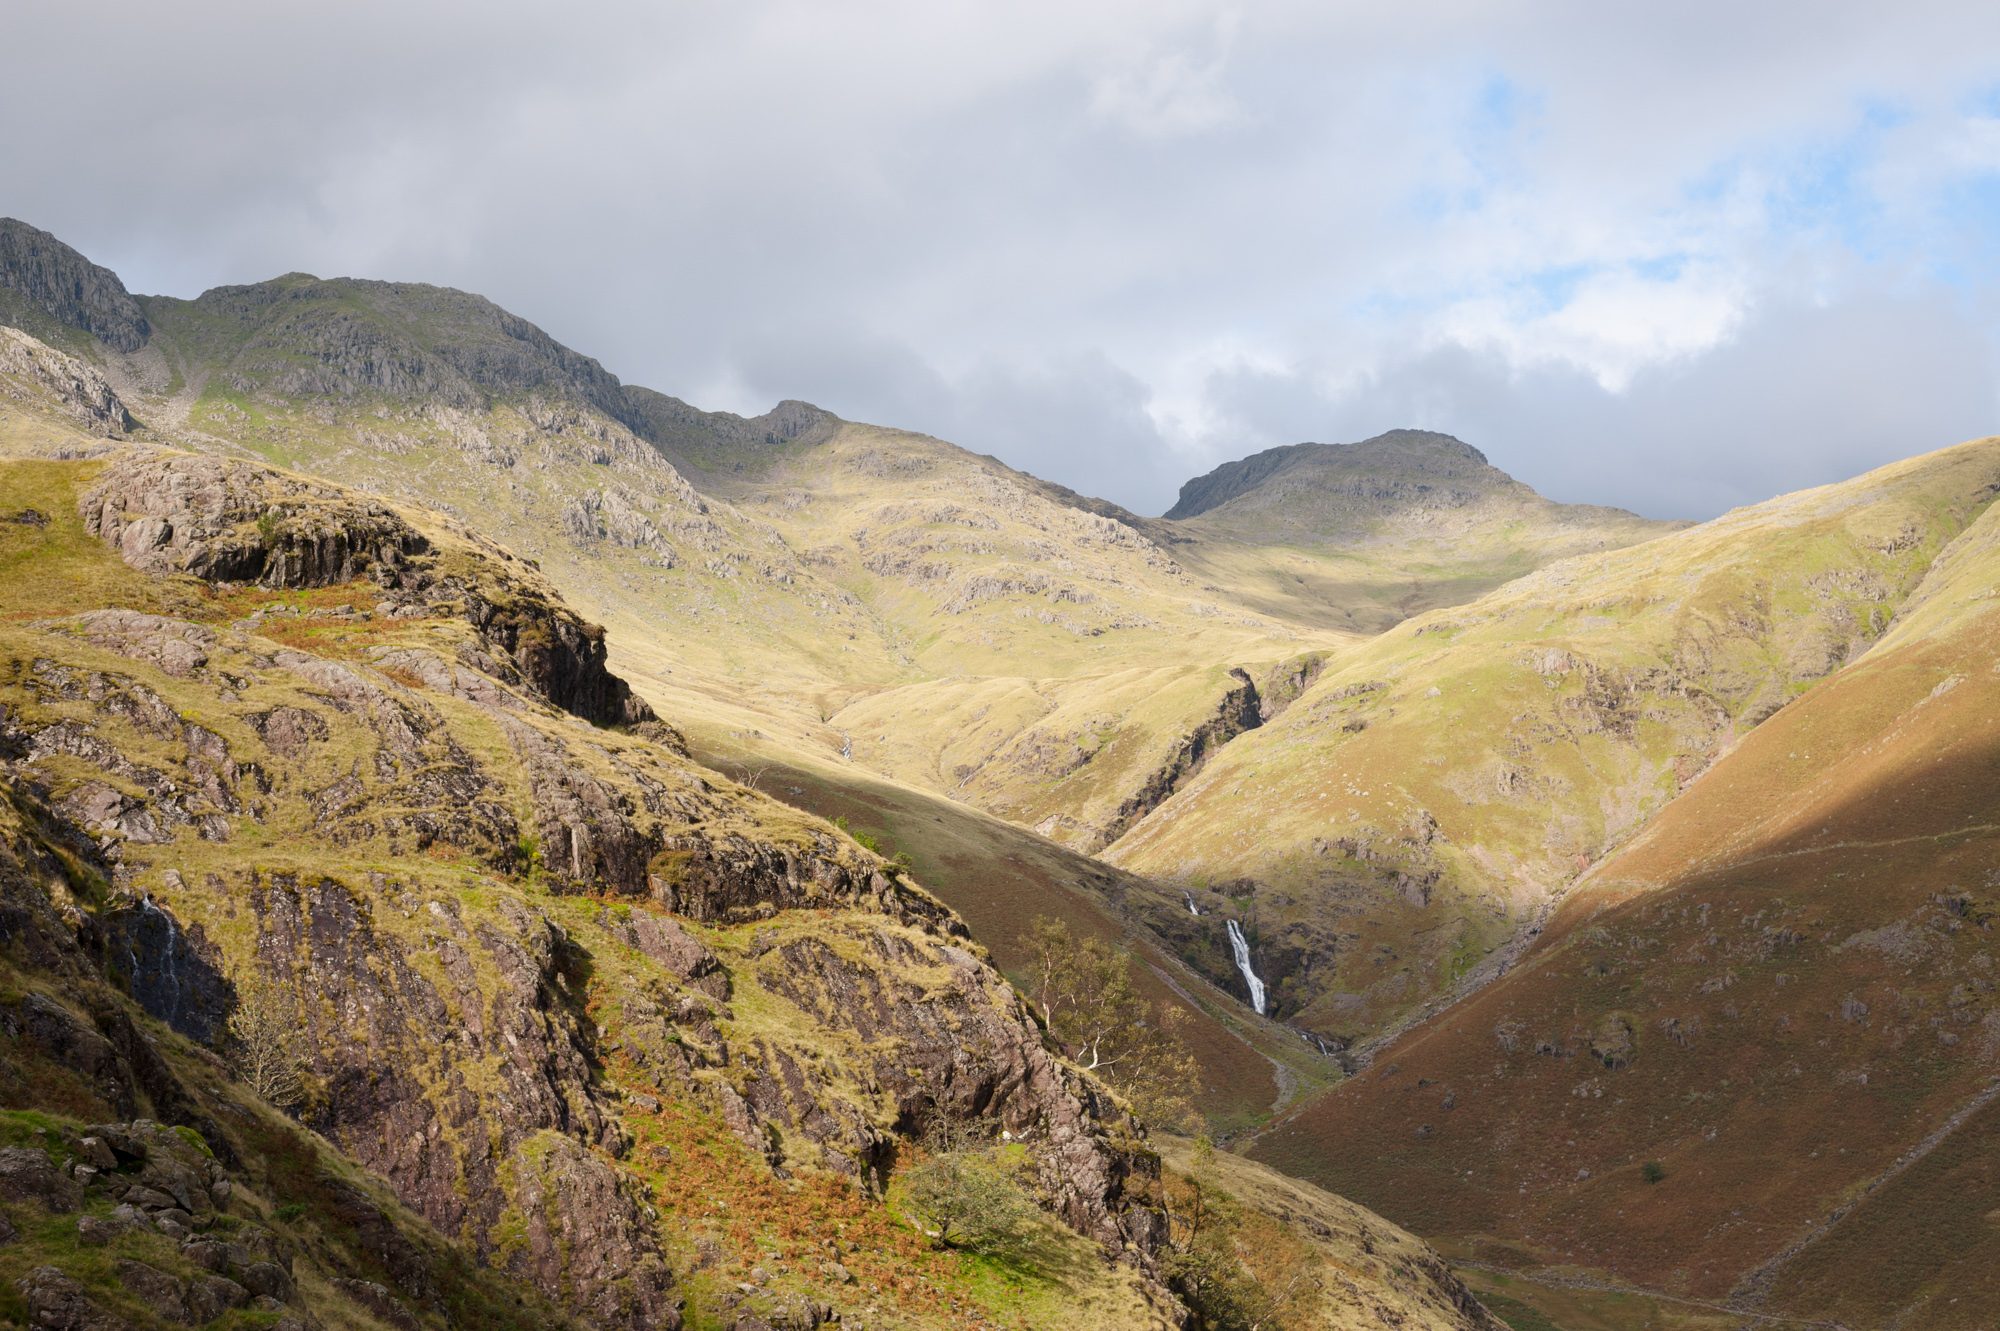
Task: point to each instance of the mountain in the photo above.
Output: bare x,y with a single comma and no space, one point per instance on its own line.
51,289
911,608
1361,536
737,629
1779,990
627,1043
1414,815
1338,491
1601,897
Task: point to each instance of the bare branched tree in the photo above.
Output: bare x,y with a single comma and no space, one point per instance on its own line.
264,1043
1092,1007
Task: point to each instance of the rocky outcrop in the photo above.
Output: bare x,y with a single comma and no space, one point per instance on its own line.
77,390
963,1048
1457,471
343,339
55,280
472,1029
509,1167
232,522
1239,709
227,521
138,1195
708,441
1286,682
732,878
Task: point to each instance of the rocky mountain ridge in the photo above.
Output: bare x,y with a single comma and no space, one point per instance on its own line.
50,284
598,1016
1370,730
1439,458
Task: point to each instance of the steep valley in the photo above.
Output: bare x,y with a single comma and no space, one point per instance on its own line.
1779,992
650,814
579,1025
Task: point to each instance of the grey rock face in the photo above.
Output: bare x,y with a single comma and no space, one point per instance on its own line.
68,287
1448,466
78,389
226,521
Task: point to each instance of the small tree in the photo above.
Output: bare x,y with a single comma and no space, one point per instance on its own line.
1094,1010
264,1044
1236,1270
969,1195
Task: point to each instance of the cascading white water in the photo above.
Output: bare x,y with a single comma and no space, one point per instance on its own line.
1240,946
167,958
1192,908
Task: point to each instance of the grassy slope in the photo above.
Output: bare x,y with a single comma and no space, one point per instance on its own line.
1437,788
897,560
610,518
1350,1252
726,1214
872,587
779,1224
1798,953
953,624
1058,654
999,876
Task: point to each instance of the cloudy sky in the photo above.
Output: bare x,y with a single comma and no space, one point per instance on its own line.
1675,257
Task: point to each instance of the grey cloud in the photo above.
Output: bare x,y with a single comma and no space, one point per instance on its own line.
1080,420
1803,395
1021,227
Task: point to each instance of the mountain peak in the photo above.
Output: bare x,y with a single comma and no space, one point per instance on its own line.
1395,459
44,279
1420,444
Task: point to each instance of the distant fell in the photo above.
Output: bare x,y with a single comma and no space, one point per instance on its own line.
1397,464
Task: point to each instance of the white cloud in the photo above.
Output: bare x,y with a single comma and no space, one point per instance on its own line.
1612,326
1162,95
1088,224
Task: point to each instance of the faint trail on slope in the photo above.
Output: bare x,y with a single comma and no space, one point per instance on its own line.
1822,848
1556,1281
1283,1078
1756,1286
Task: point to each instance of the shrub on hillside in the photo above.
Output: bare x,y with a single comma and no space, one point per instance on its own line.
971,1196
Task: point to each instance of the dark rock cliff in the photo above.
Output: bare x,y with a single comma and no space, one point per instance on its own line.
1239,709
129,1145
54,280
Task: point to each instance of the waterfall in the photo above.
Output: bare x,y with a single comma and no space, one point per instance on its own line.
1192,908
1240,946
173,1003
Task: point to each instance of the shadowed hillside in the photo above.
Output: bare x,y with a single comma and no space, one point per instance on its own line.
1781,992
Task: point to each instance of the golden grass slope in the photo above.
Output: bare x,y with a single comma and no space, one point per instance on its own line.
1437,789
999,877
1359,1272
429,879
428,874
925,611
1782,990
